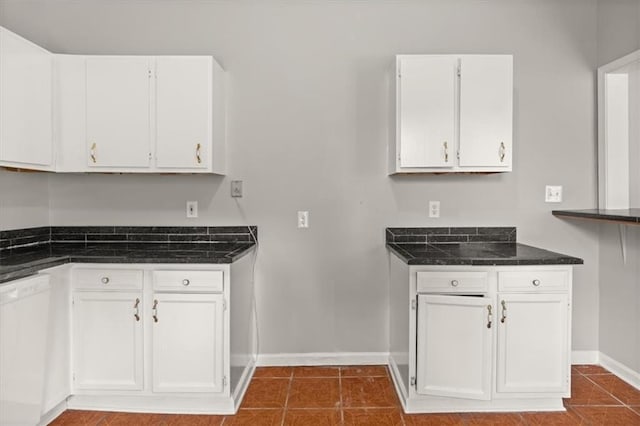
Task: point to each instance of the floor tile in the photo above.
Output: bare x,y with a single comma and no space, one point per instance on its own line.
79,418
590,369
266,393
273,372
138,419
364,370
368,392
316,371
372,416
255,417
314,393
610,416
193,420
492,419
585,392
444,419
569,417
618,388
312,417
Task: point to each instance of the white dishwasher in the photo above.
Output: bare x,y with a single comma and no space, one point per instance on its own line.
24,310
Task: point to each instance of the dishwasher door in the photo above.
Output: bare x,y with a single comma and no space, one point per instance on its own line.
24,309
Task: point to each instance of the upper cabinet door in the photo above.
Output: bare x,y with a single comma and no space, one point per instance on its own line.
486,111
183,112
118,111
26,86
426,110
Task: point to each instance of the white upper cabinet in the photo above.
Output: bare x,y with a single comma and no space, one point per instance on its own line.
453,113
183,112
26,82
426,101
486,111
118,111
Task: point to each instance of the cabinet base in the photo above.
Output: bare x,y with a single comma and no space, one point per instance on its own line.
190,404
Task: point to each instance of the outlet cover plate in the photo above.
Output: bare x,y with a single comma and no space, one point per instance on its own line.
236,188
553,194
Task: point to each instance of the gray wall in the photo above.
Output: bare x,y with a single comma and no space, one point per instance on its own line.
307,128
618,35
24,200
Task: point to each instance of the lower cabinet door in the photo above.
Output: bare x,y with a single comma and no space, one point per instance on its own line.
107,341
533,343
188,342
454,346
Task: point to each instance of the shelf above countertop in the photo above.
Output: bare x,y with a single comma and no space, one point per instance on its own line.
621,216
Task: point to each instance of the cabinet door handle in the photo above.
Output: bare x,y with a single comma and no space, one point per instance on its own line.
186,282
136,313
502,152
536,283
92,153
504,311
198,154
446,151
155,311
454,283
489,316
105,280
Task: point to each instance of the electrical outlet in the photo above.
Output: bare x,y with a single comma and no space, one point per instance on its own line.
303,219
192,209
236,188
553,194
434,208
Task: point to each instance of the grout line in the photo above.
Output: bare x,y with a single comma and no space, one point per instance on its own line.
341,405
286,401
609,393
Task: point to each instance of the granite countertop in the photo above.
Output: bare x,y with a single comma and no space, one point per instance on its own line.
469,246
190,248
628,216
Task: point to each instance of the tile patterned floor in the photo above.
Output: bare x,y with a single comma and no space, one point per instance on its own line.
364,395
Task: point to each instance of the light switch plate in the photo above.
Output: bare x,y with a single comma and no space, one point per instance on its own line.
303,219
553,194
236,188
192,209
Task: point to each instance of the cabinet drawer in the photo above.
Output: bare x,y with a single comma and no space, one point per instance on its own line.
202,281
533,281
451,282
105,279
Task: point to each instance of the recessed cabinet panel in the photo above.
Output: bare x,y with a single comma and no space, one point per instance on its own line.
533,343
454,346
188,342
26,84
184,112
426,110
486,110
118,111
107,341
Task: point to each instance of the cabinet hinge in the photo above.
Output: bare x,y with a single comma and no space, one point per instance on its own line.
224,304
73,377
149,73
459,71
149,156
224,381
414,305
458,154
413,381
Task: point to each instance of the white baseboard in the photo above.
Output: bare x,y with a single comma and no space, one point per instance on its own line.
585,357
323,358
620,370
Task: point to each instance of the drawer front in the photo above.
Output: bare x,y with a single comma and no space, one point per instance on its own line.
107,279
186,281
452,282
533,281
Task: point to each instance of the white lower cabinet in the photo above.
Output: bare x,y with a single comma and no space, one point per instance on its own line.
188,342
107,335
493,338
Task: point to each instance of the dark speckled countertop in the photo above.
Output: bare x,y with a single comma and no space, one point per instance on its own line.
221,245
469,246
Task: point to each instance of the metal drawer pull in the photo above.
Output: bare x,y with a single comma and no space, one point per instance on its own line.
503,151
198,154
155,311
105,280
489,316
92,153
454,283
536,282
136,314
185,282
504,311
446,152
